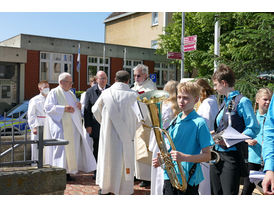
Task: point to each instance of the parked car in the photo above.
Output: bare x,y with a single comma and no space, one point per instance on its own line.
16,118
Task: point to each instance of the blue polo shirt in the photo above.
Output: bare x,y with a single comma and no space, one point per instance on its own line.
254,152
190,135
268,138
244,110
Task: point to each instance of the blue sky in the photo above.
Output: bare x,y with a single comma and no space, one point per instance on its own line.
88,26
83,19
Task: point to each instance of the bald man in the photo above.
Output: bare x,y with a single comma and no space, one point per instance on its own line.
91,124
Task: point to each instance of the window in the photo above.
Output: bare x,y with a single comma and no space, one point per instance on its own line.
52,64
95,64
130,64
154,19
164,72
154,44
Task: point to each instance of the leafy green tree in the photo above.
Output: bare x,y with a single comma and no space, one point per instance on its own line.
200,24
246,44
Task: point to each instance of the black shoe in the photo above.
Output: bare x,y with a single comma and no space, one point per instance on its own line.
94,175
144,183
70,178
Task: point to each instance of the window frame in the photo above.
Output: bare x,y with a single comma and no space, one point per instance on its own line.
51,61
98,64
154,44
129,67
154,18
164,67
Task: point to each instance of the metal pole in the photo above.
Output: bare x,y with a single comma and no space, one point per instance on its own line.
216,42
125,56
40,146
79,56
182,45
104,56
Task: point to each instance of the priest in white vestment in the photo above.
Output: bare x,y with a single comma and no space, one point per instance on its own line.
63,121
114,110
36,115
143,161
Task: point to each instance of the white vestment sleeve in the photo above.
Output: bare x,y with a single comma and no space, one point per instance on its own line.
32,119
82,101
97,109
52,108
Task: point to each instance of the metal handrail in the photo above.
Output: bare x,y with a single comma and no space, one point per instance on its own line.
40,142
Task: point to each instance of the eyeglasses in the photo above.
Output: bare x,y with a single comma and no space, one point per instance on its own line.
103,78
68,82
137,75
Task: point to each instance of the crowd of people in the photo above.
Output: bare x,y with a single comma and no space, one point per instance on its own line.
108,133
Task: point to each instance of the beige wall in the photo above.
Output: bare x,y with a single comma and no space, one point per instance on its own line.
134,30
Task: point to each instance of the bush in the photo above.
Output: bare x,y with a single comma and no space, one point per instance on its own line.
78,94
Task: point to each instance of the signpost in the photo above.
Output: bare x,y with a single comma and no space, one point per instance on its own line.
190,39
153,77
174,55
189,45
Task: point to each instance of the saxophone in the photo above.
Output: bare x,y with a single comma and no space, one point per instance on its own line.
153,100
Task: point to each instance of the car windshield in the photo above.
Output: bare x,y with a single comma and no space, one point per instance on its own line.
18,110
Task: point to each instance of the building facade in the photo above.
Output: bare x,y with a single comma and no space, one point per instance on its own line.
44,58
139,29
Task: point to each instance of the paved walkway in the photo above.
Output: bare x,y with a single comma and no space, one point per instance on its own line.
84,184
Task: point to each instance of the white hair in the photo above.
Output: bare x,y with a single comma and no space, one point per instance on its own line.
62,76
143,67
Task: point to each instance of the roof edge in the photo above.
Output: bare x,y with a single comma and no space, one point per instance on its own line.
119,16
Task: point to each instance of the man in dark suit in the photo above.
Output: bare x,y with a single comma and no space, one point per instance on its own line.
92,94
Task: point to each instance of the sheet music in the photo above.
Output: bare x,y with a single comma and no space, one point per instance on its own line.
231,136
256,176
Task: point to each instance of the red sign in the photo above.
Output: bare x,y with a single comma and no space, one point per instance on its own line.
190,39
174,55
190,47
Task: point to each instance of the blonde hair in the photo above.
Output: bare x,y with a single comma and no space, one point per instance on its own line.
170,87
191,88
206,89
259,94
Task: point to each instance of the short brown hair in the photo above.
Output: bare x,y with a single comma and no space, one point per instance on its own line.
42,82
92,79
225,73
189,87
122,76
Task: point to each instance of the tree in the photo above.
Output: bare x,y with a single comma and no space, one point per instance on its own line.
200,24
246,45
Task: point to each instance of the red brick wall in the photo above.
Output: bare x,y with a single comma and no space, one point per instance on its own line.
116,64
32,69
150,65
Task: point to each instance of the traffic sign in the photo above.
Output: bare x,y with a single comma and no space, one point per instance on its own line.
153,77
190,39
174,55
189,47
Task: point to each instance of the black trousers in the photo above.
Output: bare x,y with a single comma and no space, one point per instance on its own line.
168,189
248,186
95,147
225,175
